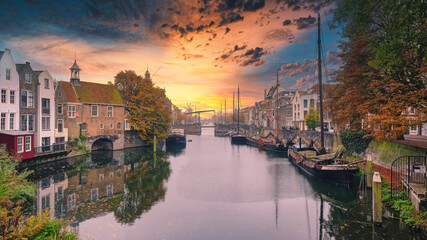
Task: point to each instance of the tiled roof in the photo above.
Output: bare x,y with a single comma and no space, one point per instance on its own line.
98,93
69,91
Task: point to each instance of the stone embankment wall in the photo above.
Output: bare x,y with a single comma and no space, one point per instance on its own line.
384,153
132,139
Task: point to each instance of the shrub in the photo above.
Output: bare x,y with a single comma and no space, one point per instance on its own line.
354,142
82,138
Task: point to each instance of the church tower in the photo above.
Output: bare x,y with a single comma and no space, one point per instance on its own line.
147,74
75,74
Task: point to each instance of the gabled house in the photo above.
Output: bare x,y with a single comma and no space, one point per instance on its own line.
9,98
45,136
28,98
90,109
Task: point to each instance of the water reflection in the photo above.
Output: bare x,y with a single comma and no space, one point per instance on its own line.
192,193
127,183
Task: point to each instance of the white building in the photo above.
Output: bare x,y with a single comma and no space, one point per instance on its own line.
298,117
46,109
9,84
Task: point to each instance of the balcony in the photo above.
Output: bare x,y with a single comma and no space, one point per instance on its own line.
50,149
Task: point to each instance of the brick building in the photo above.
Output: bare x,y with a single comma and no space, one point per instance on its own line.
90,109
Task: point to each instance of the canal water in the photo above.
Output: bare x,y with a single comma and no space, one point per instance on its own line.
209,190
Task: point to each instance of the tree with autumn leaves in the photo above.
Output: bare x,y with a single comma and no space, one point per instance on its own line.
146,104
383,76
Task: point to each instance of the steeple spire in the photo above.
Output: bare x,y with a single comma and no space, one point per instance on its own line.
75,72
147,74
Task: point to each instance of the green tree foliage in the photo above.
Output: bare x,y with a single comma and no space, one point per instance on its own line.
312,119
384,65
127,83
16,198
354,142
147,105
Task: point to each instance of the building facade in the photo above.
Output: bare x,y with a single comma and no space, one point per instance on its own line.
9,85
46,110
28,98
90,109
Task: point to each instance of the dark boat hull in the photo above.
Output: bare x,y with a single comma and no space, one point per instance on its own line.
176,139
252,142
267,146
238,139
340,177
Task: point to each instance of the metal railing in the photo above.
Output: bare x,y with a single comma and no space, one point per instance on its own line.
406,170
56,147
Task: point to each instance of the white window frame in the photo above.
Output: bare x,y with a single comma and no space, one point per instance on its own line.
101,126
3,121
71,113
11,121
92,110
30,99
127,124
28,144
119,126
108,111
3,95
111,125
27,78
20,144
46,123
12,97
84,129
62,123
46,83
8,73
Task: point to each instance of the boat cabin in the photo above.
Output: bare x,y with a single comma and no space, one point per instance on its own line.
19,143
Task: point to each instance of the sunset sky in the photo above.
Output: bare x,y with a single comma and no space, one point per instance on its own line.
202,49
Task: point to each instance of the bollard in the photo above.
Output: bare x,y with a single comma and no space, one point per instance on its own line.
154,144
377,206
369,173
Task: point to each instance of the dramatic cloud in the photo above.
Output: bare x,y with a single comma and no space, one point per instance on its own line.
189,39
252,57
287,22
230,17
279,34
305,22
333,59
292,69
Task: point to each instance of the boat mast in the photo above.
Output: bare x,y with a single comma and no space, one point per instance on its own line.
238,110
233,109
225,111
319,63
277,106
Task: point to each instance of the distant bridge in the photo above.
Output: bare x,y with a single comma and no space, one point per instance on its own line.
198,112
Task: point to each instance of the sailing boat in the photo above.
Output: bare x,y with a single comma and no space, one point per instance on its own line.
271,142
238,138
329,167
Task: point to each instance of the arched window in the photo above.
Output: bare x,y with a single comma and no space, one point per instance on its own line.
84,127
119,126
